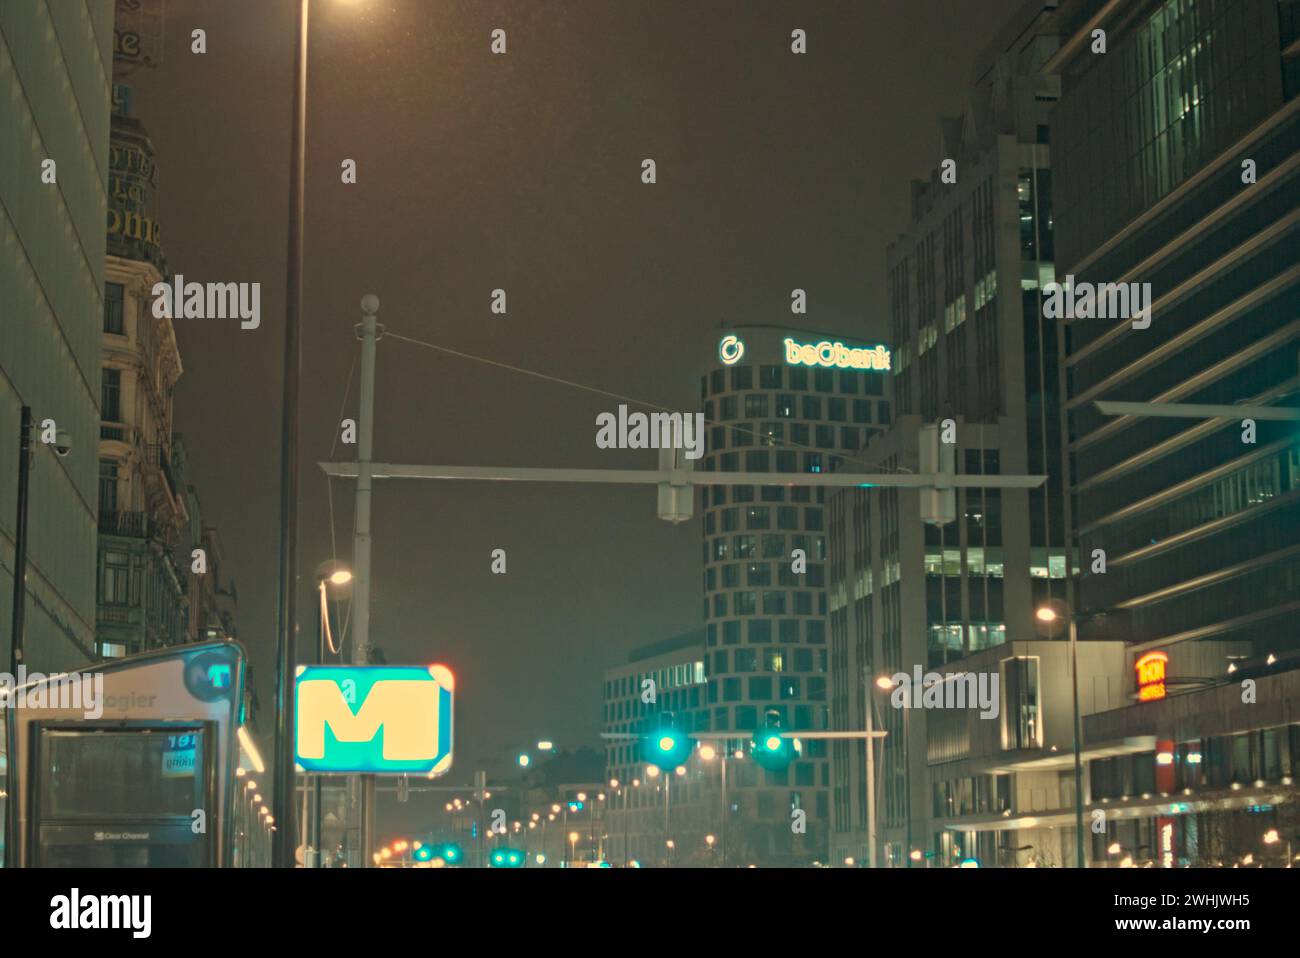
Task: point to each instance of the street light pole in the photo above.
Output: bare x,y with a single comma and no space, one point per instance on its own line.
726,809
871,776
667,833
1078,754
907,772
283,837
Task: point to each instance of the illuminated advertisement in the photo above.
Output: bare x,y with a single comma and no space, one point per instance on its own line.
1151,676
730,350
835,355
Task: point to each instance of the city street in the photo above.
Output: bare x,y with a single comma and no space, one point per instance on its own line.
692,435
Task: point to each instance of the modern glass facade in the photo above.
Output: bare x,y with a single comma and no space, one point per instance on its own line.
54,74
1199,520
54,107
1185,80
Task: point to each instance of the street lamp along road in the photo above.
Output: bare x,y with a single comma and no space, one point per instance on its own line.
1050,615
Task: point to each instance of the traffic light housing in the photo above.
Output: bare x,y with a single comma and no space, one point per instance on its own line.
769,748
667,748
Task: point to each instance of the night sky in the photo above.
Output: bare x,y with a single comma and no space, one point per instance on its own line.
522,171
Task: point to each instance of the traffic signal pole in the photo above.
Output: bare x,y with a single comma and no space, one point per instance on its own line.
368,333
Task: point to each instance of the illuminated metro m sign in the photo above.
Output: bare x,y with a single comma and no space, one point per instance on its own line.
1151,676
374,719
835,355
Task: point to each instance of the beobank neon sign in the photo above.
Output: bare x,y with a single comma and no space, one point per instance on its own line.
835,355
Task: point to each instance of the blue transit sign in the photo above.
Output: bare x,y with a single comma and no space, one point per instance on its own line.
374,719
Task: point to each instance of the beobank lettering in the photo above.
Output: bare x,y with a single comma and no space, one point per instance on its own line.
835,355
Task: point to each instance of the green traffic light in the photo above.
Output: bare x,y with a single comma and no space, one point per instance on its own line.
507,858
667,748
770,749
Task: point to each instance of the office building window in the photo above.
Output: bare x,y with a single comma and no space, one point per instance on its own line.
107,486
1021,726
110,396
114,578
114,309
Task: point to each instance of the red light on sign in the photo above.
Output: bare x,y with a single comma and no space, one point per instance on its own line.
1151,676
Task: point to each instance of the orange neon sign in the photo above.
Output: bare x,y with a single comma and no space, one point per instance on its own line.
1151,676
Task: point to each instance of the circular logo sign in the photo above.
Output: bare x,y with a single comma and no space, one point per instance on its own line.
730,350
211,676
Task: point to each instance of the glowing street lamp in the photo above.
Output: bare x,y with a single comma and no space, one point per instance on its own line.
1049,614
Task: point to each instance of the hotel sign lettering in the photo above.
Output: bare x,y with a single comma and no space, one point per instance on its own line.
1151,676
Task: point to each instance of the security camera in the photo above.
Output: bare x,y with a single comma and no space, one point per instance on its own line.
62,444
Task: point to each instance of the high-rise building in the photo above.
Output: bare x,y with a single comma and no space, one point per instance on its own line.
793,402
1177,179
54,114
973,355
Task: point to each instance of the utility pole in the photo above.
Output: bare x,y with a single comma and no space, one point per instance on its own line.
286,637
16,632
368,333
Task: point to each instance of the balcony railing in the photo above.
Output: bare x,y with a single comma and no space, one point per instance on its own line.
159,456
134,525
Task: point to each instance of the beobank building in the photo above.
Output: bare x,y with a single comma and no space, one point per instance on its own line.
791,401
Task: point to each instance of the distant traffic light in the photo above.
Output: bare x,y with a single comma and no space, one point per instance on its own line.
424,853
506,858
770,749
666,747
451,853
